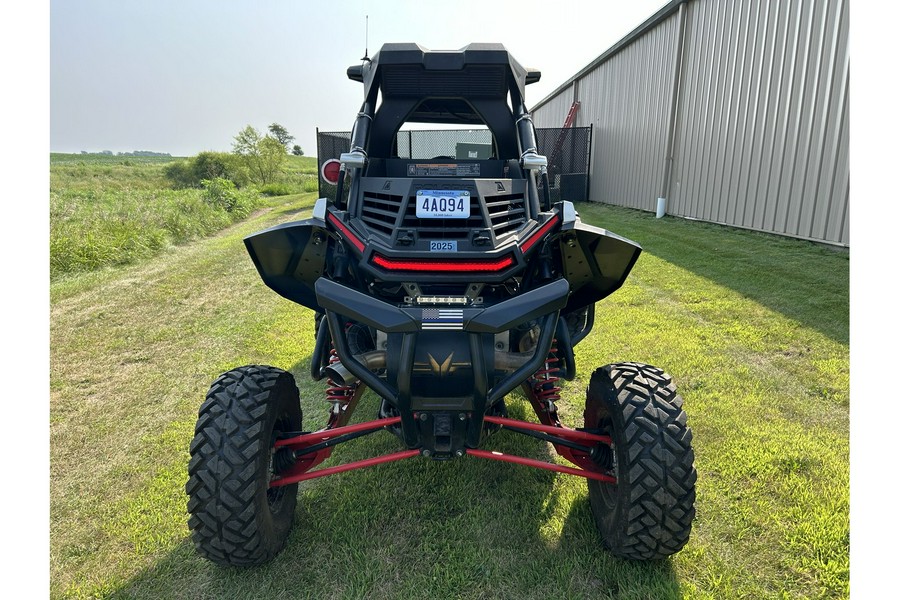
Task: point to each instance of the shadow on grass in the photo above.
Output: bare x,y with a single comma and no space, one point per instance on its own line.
804,281
423,529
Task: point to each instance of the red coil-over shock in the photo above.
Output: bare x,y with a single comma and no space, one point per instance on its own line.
340,396
545,389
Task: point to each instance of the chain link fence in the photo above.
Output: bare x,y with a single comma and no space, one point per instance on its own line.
568,152
330,145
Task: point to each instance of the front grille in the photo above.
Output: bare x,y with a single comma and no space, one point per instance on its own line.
380,211
444,229
385,214
507,212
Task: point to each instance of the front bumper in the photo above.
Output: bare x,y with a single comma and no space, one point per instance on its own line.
541,304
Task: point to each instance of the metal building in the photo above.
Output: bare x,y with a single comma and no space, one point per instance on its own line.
734,111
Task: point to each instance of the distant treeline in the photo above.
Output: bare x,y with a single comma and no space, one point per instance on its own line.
135,153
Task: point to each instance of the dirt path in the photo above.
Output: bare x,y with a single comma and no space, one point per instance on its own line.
131,356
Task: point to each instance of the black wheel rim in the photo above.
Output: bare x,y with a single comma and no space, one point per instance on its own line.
275,495
609,492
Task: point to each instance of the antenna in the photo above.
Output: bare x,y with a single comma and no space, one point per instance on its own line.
366,57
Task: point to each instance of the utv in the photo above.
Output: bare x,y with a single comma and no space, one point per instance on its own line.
442,284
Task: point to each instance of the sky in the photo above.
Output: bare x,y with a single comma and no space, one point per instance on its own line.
185,76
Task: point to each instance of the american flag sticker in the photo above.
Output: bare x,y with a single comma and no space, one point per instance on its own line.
442,318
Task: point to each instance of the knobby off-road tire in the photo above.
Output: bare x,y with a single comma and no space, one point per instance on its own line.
648,514
236,520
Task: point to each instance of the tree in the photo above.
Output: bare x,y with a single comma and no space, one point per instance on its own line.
281,134
263,156
297,151
272,157
246,142
191,172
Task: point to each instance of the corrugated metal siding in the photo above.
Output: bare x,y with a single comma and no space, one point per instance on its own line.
761,137
627,100
553,114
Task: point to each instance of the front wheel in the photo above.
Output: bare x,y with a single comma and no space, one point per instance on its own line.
647,514
236,519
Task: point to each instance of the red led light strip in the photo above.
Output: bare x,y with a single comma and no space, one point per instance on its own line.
531,241
347,233
442,266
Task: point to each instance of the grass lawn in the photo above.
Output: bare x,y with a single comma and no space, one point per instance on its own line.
753,328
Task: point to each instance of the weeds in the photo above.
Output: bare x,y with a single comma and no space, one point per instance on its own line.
107,211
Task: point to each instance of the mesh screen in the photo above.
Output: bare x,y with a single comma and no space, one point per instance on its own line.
450,143
331,145
568,151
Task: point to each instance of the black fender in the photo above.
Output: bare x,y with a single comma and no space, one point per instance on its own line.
290,258
595,262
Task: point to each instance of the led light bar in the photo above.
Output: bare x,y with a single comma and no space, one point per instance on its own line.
441,300
443,266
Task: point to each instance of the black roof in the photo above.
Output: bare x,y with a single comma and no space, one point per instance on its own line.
477,84
476,71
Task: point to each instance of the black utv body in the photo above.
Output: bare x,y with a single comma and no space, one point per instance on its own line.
442,283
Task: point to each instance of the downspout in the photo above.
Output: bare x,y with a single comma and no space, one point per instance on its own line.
673,113
575,86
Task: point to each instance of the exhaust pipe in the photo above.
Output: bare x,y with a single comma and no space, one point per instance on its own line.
511,361
339,374
373,361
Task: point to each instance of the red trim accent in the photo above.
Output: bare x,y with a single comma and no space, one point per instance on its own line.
537,235
443,265
530,462
308,439
563,432
360,464
353,239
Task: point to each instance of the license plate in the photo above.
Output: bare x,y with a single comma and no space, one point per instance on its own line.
442,246
442,204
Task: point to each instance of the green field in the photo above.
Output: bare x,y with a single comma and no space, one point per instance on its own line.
108,211
753,328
